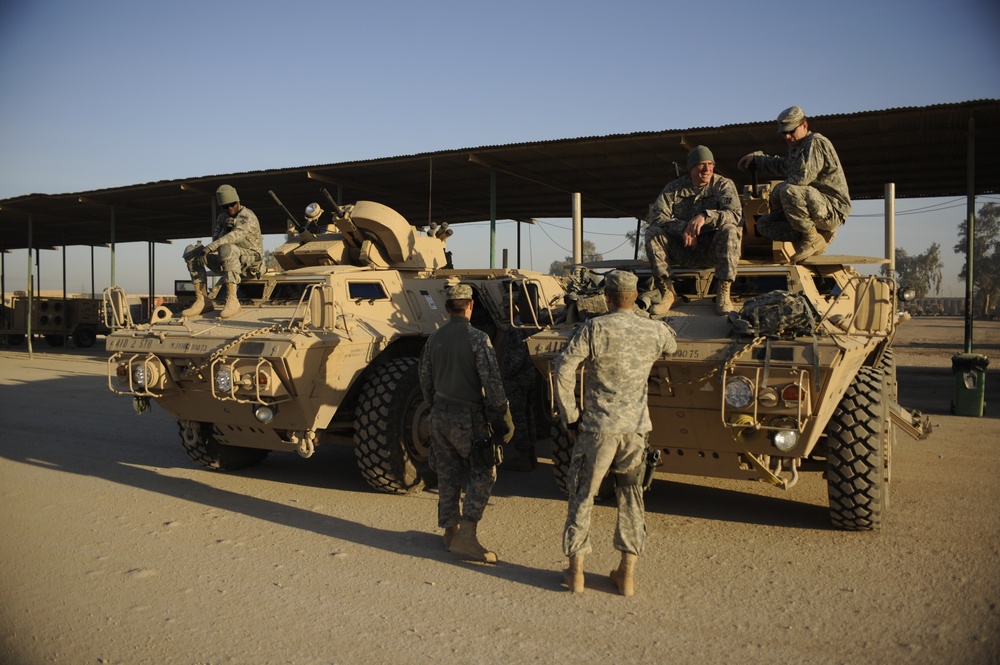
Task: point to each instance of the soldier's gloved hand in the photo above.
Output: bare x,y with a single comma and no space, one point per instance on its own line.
212,246
508,421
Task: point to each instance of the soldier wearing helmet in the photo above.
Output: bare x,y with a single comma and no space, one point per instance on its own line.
236,251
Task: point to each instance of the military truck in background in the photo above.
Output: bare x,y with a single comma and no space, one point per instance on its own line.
56,319
802,379
324,351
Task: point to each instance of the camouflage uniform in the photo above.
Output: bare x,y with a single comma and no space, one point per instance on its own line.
719,242
518,382
814,194
617,351
460,380
237,249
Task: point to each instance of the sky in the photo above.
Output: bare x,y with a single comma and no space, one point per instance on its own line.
110,93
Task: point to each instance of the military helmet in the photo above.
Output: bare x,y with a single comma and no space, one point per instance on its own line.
226,194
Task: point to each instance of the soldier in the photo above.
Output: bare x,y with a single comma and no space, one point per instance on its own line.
461,382
813,201
518,382
236,250
617,350
695,223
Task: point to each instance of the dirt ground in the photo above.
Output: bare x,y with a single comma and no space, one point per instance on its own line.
116,549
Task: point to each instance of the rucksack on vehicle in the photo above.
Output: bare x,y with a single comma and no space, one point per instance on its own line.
775,314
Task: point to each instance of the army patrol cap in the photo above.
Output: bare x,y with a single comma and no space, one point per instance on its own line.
459,292
789,119
621,281
698,155
226,194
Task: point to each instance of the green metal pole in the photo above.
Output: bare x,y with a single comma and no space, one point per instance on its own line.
970,231
493,217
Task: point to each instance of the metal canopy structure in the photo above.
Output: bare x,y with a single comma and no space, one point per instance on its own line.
923,150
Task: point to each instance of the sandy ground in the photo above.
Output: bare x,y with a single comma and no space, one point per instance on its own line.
116,549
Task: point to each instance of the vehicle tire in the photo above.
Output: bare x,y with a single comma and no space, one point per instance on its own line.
209,453
561,452
56,340
84,337
857,454
392,430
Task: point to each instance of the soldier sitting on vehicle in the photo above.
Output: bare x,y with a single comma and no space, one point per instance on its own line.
695,223
236,250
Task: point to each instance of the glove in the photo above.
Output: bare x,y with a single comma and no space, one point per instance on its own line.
212,246
508,422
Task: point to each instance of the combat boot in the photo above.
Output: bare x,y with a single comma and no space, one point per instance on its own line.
667,296
811,244
466,545
624,575
449,535
723,303
574,574
232,307
202,303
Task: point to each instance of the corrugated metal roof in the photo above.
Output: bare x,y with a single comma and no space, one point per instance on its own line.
923,150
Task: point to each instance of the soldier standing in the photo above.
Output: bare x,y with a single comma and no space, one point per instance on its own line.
617,350
237,249
813,201
461,382
695,223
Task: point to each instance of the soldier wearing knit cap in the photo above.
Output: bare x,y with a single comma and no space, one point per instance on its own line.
609,432
813,201
694,223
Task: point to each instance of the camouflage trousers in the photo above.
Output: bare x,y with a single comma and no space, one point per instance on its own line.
520,412
453,428
719,249
797,210
232,261
593,456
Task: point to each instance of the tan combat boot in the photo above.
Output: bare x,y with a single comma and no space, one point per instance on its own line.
202,303
624,575
449,535
232,307
466,544
723,303
574,574
667,296
812,243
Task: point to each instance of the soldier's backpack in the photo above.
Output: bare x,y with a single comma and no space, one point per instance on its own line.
778,314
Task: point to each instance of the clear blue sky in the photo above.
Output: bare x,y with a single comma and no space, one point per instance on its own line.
109,93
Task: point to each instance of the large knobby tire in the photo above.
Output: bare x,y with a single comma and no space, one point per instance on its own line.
392,430
209,453
857,454
84,337
561,452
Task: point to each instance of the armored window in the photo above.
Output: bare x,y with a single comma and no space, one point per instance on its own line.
366,291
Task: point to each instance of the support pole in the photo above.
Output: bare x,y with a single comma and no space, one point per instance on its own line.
30,287
890,227
493,217
577,228
970,232
113,282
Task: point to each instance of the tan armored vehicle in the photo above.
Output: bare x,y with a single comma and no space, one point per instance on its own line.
324,351
80,319
807,382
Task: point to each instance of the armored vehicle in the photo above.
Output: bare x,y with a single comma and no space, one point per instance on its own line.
802,379
80,319
324,350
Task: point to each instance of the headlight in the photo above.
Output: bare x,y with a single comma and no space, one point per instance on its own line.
739,392
787,437
139,376
224,380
